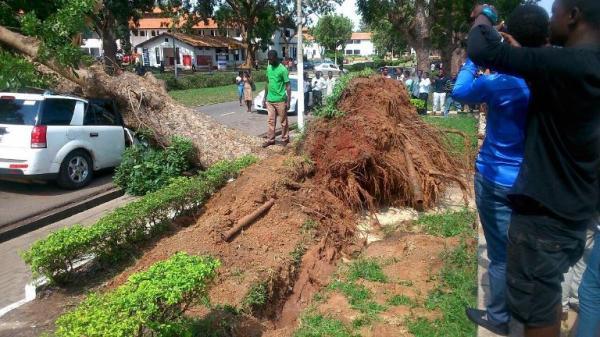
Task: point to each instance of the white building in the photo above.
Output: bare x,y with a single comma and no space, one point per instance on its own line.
360,44
200,52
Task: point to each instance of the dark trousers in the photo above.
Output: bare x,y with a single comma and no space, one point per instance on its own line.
424,97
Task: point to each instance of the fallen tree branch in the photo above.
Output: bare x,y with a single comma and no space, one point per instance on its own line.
248,219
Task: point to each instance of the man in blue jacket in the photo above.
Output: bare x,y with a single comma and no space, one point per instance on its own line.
501,155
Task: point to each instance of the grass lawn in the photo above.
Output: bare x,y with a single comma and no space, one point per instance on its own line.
464,123
205,96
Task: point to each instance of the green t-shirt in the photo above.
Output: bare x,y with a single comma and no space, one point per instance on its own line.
278,78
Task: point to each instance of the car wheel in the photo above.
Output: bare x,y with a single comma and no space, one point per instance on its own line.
76,170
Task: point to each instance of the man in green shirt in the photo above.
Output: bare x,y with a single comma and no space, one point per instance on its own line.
278,93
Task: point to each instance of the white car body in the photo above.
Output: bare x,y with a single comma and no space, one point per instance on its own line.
258,100
38,131
325,68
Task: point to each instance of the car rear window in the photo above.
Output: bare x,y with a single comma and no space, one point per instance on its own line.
58,111
18,111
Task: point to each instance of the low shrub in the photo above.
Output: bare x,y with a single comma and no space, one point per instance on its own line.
206,80
117,232
150,302
144,169
418,103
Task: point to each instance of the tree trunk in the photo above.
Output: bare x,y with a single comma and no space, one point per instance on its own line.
458,57
109,44
144,103
446,55
423,62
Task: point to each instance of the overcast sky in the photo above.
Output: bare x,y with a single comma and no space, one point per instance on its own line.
348,9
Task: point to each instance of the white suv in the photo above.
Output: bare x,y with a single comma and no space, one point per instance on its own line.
47,136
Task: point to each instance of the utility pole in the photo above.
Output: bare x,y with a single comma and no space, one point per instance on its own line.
300,58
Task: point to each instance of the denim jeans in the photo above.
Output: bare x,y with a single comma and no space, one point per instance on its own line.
450,102
495,213
589,296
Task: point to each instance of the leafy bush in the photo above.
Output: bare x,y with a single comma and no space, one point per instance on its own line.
329,109
205,80
145,169
418,103
126,226
377,63
149,302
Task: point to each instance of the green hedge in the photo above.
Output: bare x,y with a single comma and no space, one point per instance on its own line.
378,63
126,226
206,80
150,303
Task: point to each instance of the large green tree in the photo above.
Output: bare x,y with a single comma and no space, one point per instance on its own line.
332,32
287,15
429,24
255,19
385,38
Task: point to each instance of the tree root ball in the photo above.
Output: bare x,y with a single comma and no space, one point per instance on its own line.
381,152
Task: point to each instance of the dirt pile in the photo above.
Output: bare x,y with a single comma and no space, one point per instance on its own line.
381,152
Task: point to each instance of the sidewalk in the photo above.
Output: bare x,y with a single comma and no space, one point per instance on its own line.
14,274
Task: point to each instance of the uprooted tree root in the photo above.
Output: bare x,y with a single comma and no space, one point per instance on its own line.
381,152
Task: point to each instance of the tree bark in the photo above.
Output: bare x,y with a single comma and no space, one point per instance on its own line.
423,62
144,103
109,44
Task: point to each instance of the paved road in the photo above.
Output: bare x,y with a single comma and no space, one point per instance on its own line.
23,200
14,274
235,116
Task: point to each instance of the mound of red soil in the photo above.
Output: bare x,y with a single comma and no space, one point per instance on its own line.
381,152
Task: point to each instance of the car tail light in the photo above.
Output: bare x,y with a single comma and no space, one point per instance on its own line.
18,166
38,137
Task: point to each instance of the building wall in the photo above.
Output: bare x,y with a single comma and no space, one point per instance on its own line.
360,48
165,52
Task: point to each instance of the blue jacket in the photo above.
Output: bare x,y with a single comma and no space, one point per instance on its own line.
507,98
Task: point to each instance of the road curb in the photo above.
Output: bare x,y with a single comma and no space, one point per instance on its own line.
21,227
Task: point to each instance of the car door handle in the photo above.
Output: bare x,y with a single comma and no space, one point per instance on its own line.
93,134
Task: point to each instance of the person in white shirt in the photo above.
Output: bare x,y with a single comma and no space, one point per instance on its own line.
330,83
424,88
319,85
307,89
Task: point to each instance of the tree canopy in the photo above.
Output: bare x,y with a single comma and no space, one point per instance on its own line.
332,32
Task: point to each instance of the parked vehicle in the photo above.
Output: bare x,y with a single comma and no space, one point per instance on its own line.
258,100
327,67
54,137
309,65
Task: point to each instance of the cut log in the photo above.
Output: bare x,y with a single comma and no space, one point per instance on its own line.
248,219
145,103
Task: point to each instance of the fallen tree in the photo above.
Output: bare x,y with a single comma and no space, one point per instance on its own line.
144,103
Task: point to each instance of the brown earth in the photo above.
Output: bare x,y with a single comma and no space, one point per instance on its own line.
381,152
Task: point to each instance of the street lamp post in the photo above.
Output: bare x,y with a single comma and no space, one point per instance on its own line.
300,58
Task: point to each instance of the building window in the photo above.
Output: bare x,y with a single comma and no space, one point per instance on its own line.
348,52
287,33
153,33
157,53
212,33
134,32
166,39
356,52
142,33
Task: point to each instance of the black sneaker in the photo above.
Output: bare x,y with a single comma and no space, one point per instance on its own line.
480,318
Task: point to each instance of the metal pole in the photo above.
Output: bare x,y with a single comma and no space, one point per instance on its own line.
300,58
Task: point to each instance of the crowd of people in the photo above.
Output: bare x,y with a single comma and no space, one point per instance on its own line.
537,174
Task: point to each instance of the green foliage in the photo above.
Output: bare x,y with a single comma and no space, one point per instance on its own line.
111,236
332,31
386,39
144,169
16,73
378,63
329,109
400,300
320,326
418,103
368,269
449,223
205,96
205,80
153,300
456,291
309,225
256,296
298,253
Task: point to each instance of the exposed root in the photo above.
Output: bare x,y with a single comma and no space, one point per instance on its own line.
381,152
